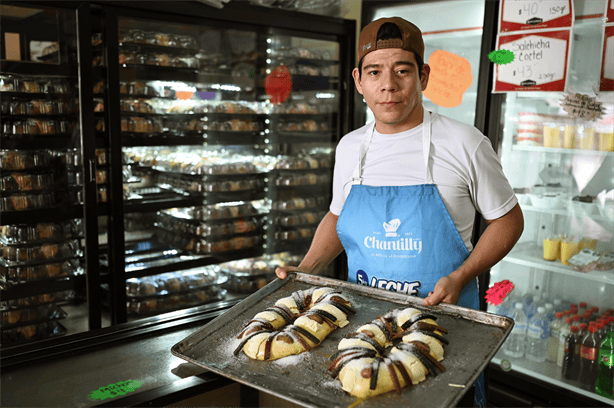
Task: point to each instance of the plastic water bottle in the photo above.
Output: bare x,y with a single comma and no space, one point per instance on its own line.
558,305
537,336
515,343
550,312
506,307
553,340
531,308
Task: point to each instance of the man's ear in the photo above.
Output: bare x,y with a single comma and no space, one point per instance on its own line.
424,78
356,76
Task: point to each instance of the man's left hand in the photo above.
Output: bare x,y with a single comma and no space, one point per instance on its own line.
446,290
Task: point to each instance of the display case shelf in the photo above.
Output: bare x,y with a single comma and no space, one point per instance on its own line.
541,149
568,212
37,142
546,371
532,256
42,215
145,139
36,68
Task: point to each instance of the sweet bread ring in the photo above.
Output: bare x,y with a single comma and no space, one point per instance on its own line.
294,324
366,364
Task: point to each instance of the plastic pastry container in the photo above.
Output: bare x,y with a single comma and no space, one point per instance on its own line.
24,159
205,229
40,272
33,332
299,203
36,300
23,254
8,83
175,282
27,201
233,244
213,212
251,274
15,234
14,182
22,317
168,303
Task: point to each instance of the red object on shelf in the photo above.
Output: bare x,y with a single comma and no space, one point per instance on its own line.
497,293
278,84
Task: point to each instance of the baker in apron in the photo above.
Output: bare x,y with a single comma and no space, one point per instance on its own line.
402,238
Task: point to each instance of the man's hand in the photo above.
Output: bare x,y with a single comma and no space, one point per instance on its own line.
446,290
282,273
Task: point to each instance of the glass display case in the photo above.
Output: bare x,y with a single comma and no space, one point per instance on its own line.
168,172
562,170
42,259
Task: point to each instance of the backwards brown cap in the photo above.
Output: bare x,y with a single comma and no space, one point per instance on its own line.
412,38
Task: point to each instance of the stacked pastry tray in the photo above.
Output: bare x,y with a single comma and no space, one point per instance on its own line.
31,255
250,274
474,337
172,291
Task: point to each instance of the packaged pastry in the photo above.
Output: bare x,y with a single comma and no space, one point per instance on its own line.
23,233
21,317
36,300
33,332
27,201
19,181
24,159
29,85
28,273
22,254
233,244
171,302
8,83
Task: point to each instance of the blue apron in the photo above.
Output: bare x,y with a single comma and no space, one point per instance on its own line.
402,238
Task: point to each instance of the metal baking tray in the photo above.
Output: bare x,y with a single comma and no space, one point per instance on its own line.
474,336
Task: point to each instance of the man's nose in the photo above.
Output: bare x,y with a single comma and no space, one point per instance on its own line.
388,82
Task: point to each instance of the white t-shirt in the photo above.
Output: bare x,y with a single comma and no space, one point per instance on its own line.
465,168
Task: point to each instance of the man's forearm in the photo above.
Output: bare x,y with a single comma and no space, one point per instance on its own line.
498,239
325,246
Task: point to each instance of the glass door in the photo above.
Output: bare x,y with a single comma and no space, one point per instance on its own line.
43,260
226,139
562,169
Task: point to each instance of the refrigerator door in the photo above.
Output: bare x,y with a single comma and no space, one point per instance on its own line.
227,139
562,169
452,44
43,260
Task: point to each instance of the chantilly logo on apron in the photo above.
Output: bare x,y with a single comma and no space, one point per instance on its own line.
402,244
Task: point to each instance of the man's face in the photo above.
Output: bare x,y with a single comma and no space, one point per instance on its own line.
392,87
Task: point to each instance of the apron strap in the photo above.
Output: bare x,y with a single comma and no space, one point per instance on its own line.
426,149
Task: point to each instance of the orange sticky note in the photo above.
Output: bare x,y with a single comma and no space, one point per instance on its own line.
449,79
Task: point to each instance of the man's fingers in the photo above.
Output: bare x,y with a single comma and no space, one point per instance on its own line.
281,274
433,299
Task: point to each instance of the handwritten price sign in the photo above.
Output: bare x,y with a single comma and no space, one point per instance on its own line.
539,64
518,15
582,106
497,293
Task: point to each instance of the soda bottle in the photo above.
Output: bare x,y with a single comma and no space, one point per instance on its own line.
531,308
586,317
553,340
582,308
537,336
568,361
588,359
564,332
575,365
595,309
574,308
515,344
605,375
577,319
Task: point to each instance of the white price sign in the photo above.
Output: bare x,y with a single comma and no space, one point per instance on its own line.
517,15
540,62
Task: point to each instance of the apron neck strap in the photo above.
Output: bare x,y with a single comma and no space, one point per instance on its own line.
426,149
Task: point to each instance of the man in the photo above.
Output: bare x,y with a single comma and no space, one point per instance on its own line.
406,187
